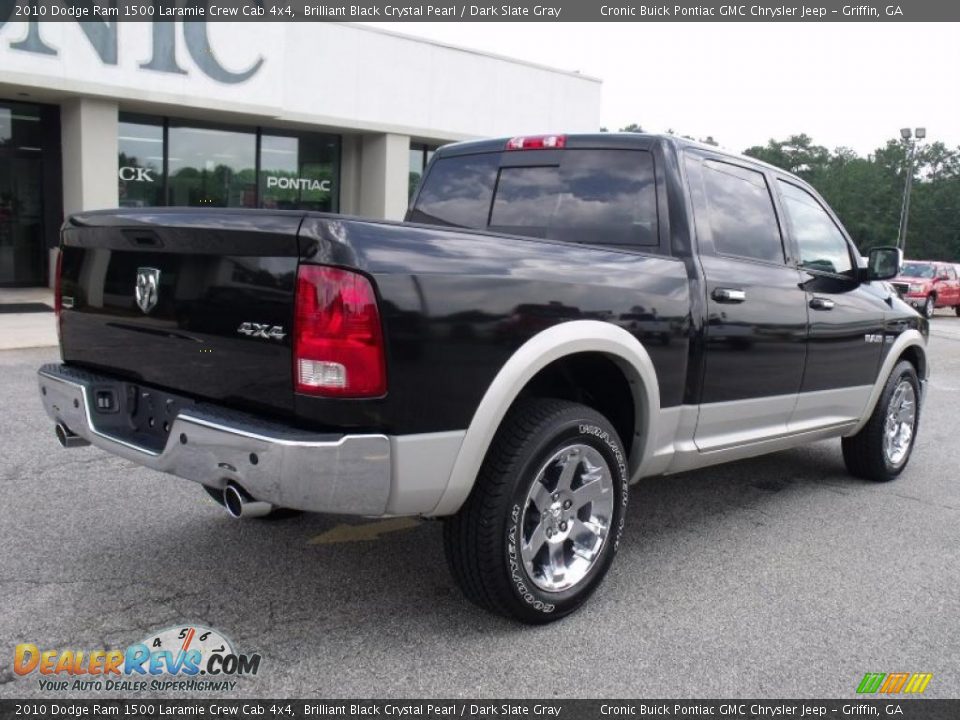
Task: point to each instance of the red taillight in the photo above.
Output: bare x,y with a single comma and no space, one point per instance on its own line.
537,142
58,293
337,341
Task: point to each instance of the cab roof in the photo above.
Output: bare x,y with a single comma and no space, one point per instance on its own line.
600,141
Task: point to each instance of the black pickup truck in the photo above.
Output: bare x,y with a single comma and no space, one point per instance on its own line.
558,317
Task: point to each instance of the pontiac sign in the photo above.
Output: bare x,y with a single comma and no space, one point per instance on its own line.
286,183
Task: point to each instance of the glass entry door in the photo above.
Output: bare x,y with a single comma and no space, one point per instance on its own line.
22,246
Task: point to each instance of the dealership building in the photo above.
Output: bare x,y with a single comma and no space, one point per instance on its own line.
320,116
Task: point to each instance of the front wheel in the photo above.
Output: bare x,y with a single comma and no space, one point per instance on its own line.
543,522
929,306
880,450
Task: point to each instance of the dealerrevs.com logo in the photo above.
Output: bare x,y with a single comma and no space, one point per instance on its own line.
189,658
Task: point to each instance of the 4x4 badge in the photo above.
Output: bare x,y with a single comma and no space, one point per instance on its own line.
148,288
269,332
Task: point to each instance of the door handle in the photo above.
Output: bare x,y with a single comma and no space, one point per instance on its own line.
819,303
728,295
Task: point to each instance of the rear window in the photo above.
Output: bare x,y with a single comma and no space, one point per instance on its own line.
457,192
605,197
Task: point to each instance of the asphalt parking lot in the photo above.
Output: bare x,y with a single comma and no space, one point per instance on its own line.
774,577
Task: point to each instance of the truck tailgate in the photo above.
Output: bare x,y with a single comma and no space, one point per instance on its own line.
197,302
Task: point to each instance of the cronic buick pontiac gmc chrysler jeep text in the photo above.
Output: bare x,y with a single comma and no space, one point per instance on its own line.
558,317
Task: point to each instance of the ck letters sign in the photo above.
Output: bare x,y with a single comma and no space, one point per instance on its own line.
136,174
102,36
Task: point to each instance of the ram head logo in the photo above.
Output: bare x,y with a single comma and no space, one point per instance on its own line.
148,287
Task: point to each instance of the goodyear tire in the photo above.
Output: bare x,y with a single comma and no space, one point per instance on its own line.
881,450
541,527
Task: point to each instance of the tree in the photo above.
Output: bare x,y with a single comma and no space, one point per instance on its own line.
867,193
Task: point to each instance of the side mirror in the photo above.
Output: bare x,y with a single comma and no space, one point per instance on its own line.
883,263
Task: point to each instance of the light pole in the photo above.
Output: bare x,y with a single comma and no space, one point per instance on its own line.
911,154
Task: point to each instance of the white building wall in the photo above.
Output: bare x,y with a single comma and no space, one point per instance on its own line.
334,74
384,168
378,89
88,136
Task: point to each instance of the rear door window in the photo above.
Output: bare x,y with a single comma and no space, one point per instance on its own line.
740,211
604,197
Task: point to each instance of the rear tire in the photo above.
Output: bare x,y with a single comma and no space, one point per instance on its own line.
542,524
956,309
881,450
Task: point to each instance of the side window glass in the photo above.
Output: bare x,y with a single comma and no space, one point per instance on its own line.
740,211
822,246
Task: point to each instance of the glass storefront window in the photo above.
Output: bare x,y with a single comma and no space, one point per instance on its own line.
26,205
140,165
20,127
299,171
419,157
162,161
209,167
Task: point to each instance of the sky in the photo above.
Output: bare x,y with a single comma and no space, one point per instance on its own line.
844,84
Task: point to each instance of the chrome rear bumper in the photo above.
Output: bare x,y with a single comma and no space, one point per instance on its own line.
274,463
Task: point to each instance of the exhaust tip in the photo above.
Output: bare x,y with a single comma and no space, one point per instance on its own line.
67,439
239,503
233,501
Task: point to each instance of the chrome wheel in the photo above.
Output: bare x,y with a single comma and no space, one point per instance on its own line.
566,517
899,426
928,307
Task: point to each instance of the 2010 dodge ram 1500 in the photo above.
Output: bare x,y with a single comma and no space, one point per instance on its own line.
558,317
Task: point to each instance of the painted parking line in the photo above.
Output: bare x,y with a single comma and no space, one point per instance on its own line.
365,532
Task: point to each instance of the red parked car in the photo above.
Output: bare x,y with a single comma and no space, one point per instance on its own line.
928,285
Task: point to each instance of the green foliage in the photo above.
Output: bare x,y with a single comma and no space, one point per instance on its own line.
867,193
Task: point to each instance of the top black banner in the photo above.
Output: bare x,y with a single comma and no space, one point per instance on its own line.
452,11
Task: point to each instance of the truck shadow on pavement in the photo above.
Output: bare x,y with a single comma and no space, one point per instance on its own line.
311,573
331,616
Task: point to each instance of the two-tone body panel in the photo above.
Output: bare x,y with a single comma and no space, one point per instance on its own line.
721,350
456,305
793,339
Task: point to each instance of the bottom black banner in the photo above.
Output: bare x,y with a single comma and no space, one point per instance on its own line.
893,709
